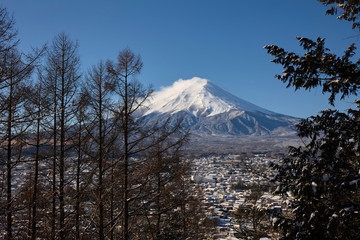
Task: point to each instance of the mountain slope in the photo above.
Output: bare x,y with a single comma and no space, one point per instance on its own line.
209,110
199,97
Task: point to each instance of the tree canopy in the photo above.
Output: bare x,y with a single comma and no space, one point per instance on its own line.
320,179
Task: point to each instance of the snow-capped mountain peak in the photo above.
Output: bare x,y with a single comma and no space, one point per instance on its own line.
209,110
199,97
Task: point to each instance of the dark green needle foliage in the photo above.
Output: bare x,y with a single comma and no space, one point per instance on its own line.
321,179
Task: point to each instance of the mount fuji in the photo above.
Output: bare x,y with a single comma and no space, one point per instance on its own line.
211,111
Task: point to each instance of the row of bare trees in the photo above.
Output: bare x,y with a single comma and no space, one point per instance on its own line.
77,160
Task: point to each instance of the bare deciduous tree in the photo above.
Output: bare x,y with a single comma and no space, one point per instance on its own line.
15,119
131,97
62,75
101,131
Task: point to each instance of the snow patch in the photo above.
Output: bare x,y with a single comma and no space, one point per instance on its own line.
354,182
314,186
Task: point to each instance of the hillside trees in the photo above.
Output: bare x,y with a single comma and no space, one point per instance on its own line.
321,179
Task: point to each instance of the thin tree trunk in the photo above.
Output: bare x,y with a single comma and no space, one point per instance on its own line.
183,209
158,168
62,154
77,205
8,168
126,163
100,166
158,220
112,201
36,174
30,208
53,210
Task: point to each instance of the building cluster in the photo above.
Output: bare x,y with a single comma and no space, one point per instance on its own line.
218,177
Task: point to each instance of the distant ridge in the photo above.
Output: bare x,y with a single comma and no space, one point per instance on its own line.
209,110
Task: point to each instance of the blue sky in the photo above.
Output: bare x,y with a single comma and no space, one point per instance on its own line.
220,40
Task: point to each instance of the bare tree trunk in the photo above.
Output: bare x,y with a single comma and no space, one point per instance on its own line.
158,218
36,174
100,167
126,164
78,165
53,210
9,166
158,190
183,210
112,202
62,152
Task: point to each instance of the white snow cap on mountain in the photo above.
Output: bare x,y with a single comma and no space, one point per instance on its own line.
199,97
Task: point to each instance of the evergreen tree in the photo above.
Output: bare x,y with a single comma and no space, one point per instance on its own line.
321,179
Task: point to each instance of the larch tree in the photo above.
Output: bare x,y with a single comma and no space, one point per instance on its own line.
16,72
155,181
62,76
14,120
131,96
8,42
80,143
37,107
102,134
320,180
